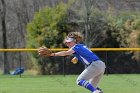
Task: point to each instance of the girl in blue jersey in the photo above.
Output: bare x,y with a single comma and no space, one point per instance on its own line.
91,76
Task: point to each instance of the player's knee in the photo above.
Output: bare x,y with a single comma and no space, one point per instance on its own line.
77,81
81,82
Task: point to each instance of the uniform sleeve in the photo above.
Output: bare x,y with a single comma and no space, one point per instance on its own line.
74,48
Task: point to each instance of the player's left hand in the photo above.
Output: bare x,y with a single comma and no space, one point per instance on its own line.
44,51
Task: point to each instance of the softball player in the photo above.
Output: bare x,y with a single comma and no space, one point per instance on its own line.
91,76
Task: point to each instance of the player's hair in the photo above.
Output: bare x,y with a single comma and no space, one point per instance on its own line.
76,35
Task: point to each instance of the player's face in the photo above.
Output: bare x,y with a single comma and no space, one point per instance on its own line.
70,44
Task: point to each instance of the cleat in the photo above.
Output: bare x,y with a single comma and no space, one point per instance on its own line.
100,90
97,91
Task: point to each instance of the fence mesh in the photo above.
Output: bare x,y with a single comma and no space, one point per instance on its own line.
117,60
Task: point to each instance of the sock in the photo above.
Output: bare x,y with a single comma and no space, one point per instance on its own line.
86,84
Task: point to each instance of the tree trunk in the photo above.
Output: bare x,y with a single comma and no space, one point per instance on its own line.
88,5
6,64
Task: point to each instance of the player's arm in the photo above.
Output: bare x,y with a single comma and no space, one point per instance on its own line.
43,51
63,53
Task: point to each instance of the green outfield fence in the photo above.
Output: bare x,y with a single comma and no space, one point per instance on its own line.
106,50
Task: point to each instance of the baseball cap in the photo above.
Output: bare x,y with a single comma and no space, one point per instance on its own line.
69,39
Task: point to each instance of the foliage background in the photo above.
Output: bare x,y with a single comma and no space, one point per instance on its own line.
100,29
108,23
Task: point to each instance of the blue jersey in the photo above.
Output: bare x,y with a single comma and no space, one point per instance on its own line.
83,54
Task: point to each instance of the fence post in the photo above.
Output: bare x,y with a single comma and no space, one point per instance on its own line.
64,65
106,62
20,62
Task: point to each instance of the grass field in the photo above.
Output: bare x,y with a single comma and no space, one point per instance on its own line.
126,83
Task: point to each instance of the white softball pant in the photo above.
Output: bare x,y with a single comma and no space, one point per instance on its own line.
93,73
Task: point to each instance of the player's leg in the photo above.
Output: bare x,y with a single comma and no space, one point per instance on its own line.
91,71
96,79
83,78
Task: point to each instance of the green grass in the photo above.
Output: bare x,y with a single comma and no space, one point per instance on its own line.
129,83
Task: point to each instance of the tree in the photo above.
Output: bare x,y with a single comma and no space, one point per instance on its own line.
84,10
6,63
48,27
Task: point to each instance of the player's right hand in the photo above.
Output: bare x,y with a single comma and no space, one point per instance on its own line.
74,60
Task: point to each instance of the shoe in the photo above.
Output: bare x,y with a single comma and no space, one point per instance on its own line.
97,91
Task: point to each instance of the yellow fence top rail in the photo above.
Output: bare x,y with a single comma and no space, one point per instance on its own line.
64,49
